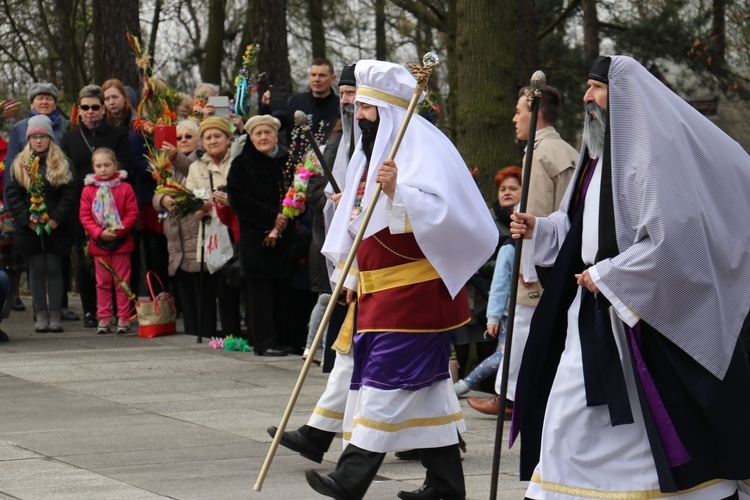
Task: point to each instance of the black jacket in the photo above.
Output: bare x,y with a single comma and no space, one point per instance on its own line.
61,203
255,184
316,201
79,143
79,150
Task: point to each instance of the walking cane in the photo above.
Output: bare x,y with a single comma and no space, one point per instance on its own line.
422,74
199,339
301,120
533,96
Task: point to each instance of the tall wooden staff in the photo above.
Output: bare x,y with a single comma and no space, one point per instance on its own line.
422,74
533,96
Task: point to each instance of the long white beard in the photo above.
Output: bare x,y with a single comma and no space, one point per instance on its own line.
594,133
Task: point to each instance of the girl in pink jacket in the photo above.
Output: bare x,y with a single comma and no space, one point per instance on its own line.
108,213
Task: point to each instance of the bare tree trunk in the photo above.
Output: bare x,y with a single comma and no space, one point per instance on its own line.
719,33
214,53
486,41
317,32
70,44
154,26
452,63
527,50
590,30
114,58
249,29
381,50
273,58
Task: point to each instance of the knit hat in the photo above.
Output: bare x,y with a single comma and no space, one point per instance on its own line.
216,122
39,124
42,88
256,120
347,76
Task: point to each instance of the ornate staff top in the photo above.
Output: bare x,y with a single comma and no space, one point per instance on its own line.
538,80
430,61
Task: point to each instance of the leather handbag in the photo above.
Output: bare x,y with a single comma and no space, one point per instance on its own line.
156,317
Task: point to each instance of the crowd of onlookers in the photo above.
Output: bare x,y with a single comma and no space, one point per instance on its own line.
80,196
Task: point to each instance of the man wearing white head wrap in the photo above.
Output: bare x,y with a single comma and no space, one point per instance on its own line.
633,383
430,231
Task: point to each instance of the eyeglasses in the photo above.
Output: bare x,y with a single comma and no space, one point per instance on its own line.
86,107
38,137
186,136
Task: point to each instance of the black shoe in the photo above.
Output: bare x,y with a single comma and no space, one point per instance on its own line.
296,441
423,493
407,455
69,315
426,492
89,320
326,486
3,336
18,304
272,351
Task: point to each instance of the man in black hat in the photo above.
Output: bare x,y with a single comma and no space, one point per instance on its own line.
633,381
313,440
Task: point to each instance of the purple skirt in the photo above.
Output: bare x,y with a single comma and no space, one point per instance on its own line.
407,361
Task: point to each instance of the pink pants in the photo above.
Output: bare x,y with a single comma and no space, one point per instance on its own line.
120,262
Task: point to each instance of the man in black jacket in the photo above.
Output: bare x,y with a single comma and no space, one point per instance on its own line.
320,103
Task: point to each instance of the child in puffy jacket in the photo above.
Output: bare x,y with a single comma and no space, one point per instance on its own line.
108,213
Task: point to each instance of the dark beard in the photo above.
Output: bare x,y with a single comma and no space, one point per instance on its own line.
369,133
595,129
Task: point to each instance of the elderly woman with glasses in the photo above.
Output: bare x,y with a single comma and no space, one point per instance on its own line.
210,172
92,132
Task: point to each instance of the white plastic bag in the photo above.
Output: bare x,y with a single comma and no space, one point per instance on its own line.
218,244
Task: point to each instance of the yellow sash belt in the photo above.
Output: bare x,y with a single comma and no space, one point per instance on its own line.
391,277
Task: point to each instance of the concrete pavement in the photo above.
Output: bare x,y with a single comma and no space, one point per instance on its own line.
86,416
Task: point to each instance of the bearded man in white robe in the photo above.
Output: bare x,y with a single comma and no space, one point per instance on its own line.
633,383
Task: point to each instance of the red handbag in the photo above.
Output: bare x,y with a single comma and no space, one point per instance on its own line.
156,317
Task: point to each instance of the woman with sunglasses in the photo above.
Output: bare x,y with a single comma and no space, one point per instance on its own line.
182,234
92,132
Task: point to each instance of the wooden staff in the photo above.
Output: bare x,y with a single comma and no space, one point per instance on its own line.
301,120
533,96
422,74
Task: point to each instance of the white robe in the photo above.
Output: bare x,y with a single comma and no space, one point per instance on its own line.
582,456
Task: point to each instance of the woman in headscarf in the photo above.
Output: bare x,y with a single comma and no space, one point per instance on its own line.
256,186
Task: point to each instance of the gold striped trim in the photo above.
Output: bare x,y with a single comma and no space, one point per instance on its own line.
417,330
343,342
328,413
617,495
352,270
383,96
408,424
401,275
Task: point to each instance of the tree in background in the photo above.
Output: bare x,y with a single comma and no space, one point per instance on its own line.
213,58
273,58
486,41
113,56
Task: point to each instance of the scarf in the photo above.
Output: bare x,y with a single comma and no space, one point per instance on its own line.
103,207
54,117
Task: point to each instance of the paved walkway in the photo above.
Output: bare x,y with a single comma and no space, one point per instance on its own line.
86,416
